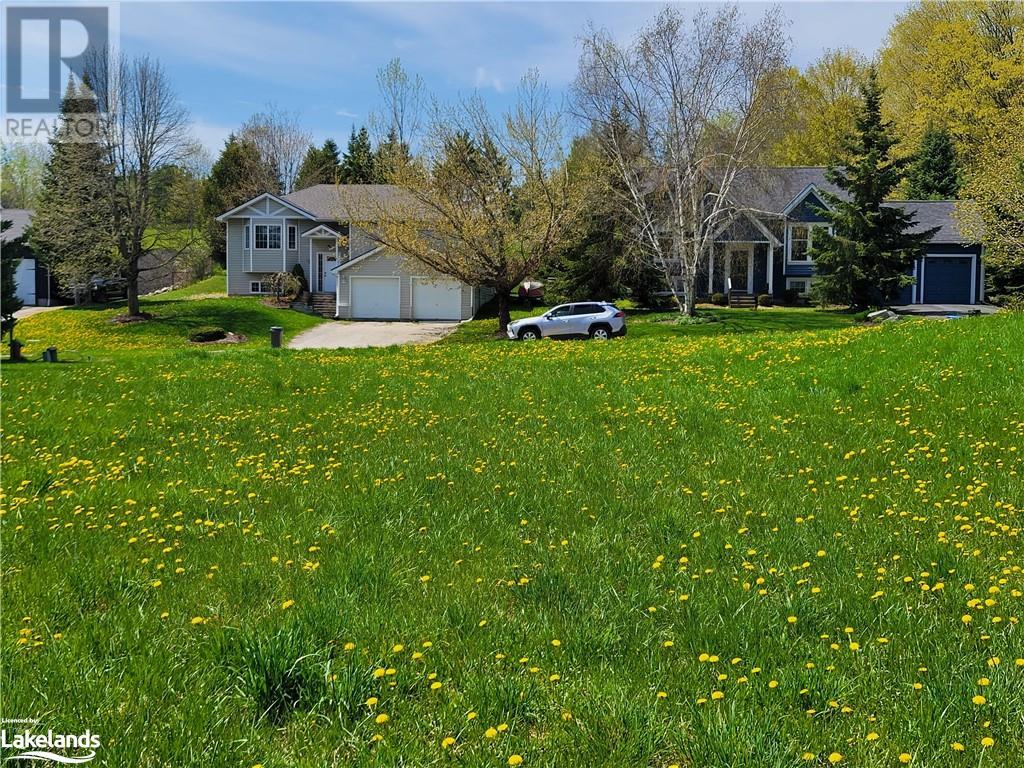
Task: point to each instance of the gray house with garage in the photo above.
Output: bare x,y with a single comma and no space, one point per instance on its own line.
765,249
349,274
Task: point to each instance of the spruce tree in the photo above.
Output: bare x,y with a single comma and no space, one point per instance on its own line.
238,175
934,173
10,257
319,166
866,259
71,231
391,153
357,165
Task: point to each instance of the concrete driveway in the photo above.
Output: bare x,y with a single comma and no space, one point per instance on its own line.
352,335
943,310
29,311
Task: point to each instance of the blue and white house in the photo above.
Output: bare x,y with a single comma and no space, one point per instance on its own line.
766,247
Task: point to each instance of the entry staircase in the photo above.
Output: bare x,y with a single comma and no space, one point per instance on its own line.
742,300
315,303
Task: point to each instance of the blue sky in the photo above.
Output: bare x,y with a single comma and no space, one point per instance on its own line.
228,60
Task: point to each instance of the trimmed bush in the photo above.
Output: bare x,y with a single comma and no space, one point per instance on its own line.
719,299
207,333
791,296
765,300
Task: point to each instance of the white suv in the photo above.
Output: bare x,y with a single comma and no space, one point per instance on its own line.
593,319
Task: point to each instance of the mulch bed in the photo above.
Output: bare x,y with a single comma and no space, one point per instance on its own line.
230,338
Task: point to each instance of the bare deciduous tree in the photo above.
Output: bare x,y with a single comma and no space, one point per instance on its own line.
486,201
143,127
280,141
681,111
403,97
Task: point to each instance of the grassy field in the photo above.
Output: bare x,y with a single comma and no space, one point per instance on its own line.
695,546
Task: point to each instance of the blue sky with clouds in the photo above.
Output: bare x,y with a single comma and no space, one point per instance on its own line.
319,60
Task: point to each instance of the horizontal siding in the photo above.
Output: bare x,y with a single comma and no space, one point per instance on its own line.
390,264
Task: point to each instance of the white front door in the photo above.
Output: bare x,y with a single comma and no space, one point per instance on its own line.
326,279
376,298
436,299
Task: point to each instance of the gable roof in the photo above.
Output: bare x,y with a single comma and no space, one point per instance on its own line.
774,190
267,196
349,202
780,190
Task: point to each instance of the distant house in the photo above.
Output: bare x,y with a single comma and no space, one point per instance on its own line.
765,248
35,284
350,275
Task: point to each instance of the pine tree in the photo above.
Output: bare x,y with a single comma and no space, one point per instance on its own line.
934,173
319,166
238,175
866,258
71,230
357,165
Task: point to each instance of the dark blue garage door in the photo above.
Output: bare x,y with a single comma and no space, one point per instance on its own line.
947,280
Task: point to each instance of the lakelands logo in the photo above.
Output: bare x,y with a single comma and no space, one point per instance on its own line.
41,746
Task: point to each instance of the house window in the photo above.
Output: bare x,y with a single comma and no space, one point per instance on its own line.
268,236
292,245
801,240
802,285
257,286
247,236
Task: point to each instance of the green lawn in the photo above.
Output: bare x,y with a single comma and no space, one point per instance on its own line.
664,323
686,547
91,330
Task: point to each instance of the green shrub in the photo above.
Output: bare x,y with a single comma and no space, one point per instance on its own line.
300,274
207,333
791,296
765,300
719,299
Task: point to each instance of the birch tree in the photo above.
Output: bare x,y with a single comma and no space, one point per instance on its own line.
280,141
682,110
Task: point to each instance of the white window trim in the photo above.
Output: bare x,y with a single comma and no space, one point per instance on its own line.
811,226
293,237
267,246
260,289
807,280
248,238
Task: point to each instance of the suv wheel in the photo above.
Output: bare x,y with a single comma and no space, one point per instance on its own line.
600,332
529,334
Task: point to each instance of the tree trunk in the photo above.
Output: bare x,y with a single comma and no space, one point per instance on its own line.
133,286
689,294
504,316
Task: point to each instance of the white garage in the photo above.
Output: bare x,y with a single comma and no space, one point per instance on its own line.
376,298
436,299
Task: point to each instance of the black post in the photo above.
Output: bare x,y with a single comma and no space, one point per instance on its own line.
275,336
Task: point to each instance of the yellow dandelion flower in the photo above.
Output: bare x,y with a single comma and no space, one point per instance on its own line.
515,760
904,757
447,742
381,718
987,742
287,604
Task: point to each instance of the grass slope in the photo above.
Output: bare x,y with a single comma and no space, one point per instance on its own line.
743,549
78,331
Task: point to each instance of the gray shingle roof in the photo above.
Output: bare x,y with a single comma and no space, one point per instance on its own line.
773,189
348,202
20,218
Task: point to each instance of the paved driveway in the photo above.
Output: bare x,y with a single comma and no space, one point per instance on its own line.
944,309
29,311
350,335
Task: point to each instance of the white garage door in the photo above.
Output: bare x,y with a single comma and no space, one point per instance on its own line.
376,298
436,299
25,279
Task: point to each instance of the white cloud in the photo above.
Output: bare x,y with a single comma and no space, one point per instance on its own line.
485,79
